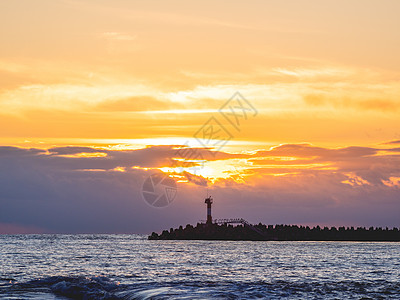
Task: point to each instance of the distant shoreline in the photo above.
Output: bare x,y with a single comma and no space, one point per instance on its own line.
261,232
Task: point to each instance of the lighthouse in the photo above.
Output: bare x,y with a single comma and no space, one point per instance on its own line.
209,201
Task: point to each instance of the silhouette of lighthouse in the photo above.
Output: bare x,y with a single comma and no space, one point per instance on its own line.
209,201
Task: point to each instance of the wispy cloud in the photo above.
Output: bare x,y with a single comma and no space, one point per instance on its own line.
392,142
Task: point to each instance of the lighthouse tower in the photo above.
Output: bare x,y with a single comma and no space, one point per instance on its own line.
209,201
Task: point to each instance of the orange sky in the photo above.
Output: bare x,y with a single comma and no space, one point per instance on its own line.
317,72
124,75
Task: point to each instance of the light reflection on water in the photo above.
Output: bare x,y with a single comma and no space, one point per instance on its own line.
195,269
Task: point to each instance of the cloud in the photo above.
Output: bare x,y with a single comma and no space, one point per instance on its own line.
308,150
59,190
392,142
73,150
16,152
370,164
145,103
355,102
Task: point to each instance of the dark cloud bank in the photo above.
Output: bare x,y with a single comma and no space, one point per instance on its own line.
51,191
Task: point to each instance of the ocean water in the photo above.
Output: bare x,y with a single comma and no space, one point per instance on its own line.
131,267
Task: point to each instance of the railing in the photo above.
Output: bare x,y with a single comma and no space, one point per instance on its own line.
229,221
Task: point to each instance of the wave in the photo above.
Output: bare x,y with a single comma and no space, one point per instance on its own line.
99,287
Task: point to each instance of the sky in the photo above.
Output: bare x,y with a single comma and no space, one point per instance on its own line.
286,112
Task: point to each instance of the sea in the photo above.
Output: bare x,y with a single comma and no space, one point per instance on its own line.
132,267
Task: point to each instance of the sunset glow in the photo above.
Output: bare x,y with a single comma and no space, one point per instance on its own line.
125,87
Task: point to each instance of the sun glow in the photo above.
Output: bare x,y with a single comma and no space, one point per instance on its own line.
213,170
